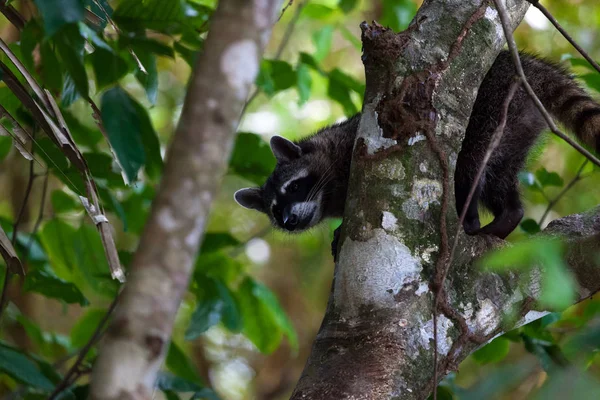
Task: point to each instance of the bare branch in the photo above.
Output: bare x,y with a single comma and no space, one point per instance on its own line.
134,347
554,22
517,61
12,15
73,373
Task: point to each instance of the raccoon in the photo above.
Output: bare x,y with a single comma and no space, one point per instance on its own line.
310,180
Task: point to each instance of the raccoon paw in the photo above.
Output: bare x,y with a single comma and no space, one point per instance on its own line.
334,242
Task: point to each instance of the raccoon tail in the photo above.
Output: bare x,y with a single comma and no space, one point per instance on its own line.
565,100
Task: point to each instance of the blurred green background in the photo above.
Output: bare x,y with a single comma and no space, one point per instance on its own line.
258,296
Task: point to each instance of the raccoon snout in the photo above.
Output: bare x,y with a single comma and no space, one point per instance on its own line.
299,216
290,219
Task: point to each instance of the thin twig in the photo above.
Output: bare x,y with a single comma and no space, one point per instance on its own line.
26,197
517,61
554,22
288,5
7,275
555,200
40,217
74,372
282,45
12,15
494,142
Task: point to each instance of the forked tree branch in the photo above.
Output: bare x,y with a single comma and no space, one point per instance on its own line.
135,344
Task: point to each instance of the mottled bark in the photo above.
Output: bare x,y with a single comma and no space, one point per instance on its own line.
376,340
135,344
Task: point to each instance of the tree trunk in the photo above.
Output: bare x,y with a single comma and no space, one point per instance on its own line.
376,340
134,346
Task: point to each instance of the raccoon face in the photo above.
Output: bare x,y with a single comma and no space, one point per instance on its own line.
292,196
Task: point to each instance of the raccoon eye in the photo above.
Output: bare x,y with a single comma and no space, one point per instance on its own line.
294,187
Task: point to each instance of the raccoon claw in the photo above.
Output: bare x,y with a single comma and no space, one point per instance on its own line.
334,242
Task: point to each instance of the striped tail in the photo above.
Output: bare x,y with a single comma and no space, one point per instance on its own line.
565,100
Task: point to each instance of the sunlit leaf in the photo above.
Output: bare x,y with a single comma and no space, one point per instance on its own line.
397,14
304,83
264,320
493,352
322,41
252,158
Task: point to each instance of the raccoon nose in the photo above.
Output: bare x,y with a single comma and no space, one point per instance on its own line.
290,220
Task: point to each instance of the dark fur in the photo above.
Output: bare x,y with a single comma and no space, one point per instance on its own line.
327,154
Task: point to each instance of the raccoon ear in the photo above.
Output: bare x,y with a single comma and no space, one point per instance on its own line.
250,198
284,149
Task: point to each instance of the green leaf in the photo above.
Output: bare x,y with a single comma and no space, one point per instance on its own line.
69,44
123,126
340,93
108,67
57,238
215,303
84,328
347,5
58,13
69,92
51,69
181,365
148,80
282,74
530,226
154,161
318,11
592,80
43,281
160,15
5,146
265,321
546,178
304,83
167,381
22,369
91,261
218,265
581,62
493,352
322,41
558,285
252,158
62,202
217,241
397,14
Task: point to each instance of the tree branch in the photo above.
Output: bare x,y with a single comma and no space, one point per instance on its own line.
135,344
376,338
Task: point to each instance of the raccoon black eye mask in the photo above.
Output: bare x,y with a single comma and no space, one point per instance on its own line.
310,180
